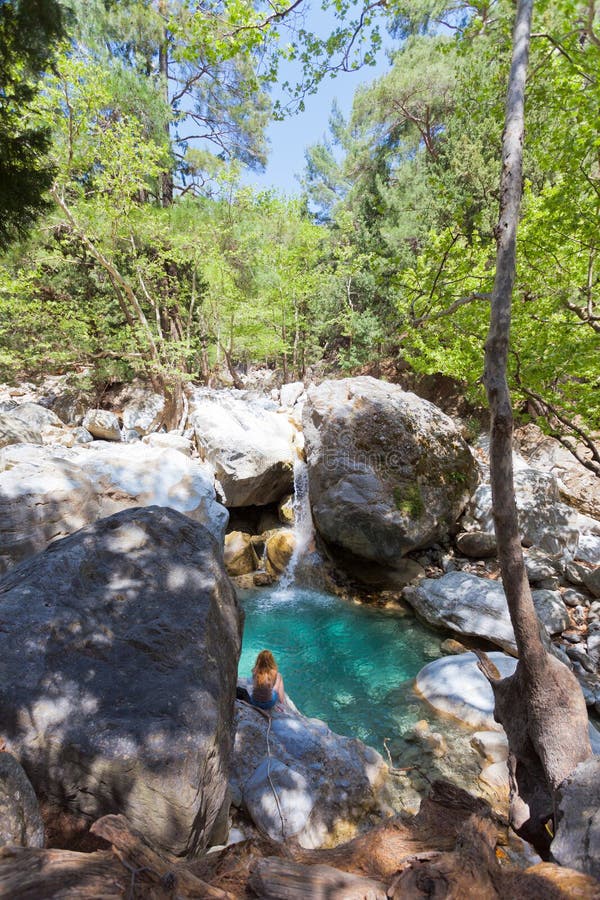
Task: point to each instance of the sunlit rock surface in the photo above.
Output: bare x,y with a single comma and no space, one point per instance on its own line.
325,782
118,653
388,472
47,493
248,443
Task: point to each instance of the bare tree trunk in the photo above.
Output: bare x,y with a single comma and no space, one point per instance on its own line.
541,706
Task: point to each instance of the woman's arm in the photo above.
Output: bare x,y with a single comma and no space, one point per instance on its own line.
278,686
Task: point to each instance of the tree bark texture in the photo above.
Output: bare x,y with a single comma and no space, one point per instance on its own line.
541,706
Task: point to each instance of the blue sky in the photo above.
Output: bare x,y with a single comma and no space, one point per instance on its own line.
290,137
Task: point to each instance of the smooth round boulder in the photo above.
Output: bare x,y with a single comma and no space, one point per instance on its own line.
102,424
238,554
119,649
388,471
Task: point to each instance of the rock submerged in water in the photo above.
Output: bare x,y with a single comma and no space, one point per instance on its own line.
388,472
119,649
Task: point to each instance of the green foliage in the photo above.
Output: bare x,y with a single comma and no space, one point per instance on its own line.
28,31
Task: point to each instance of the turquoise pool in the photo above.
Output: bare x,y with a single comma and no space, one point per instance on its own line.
348,664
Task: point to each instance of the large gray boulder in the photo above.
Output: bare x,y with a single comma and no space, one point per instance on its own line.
388,472
36,417
466,604
20,819
49,493
248,443
477,607
545,521
326,783
118,652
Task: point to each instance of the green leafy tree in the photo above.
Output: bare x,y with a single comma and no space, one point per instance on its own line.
29,30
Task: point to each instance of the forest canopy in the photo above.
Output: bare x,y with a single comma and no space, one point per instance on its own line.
150,257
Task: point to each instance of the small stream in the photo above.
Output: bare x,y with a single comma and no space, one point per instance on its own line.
345,663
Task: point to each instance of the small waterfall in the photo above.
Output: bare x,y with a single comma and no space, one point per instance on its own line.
303,524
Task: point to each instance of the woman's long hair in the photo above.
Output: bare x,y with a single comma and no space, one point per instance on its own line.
265,669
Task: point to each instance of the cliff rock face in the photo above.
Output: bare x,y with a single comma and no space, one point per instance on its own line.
388,472
118,652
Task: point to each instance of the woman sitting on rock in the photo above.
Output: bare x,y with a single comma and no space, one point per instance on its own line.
267,683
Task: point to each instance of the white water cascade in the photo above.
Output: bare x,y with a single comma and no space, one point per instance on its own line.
303,524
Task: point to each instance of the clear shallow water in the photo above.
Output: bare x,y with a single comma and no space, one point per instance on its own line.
345,663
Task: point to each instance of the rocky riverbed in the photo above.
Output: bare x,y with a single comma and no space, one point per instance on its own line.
120,630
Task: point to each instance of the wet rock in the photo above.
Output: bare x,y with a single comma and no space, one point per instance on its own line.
280,547
285,510
20,819
451,646
102,425
105,641
388,472
238,555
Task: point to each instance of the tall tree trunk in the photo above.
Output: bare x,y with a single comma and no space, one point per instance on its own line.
166,178
541,706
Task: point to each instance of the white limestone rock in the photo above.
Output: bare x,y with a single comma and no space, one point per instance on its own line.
102,424
466,604
247,442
